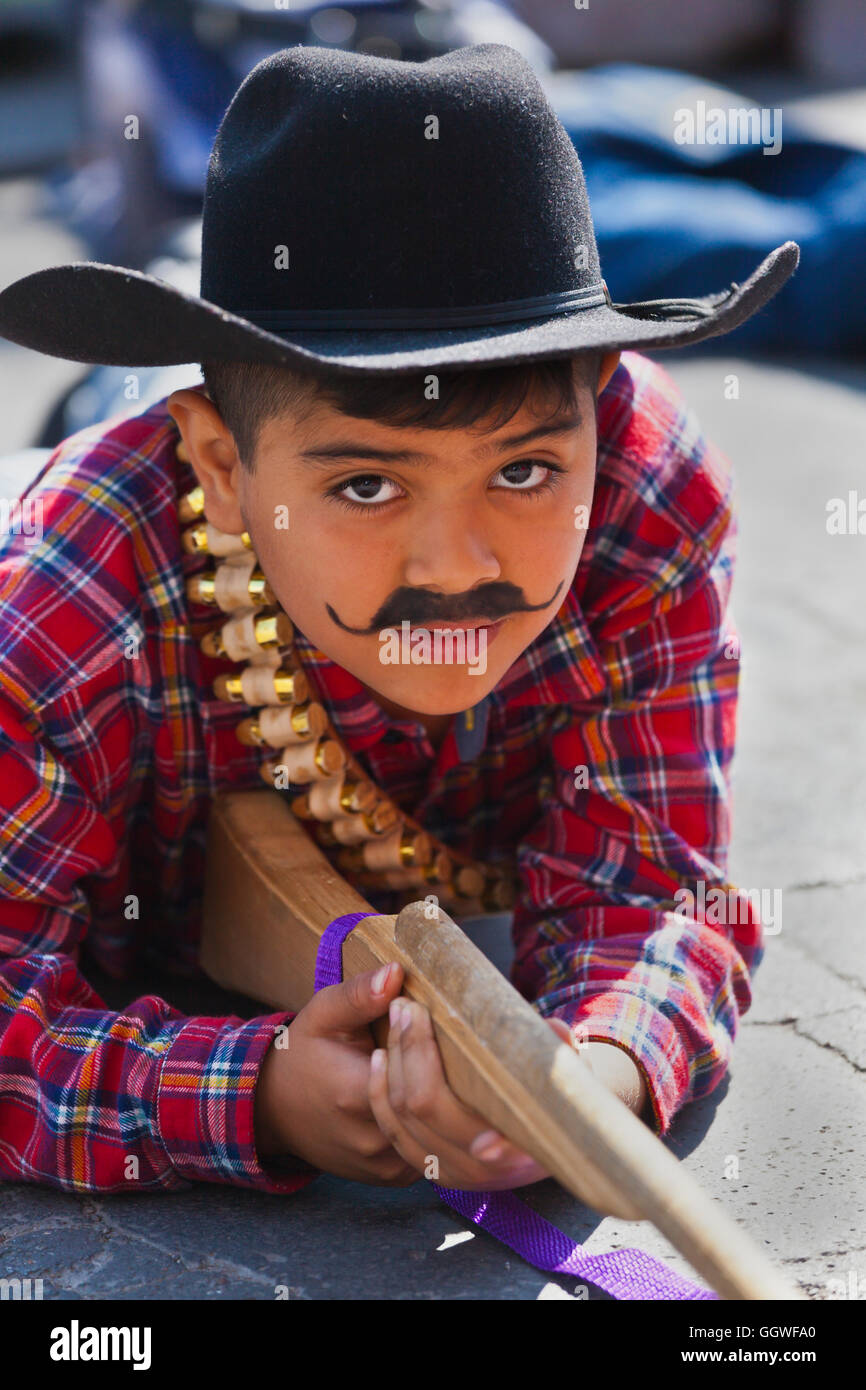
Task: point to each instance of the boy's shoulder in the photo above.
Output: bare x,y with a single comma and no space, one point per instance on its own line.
650,438
103,551
663,503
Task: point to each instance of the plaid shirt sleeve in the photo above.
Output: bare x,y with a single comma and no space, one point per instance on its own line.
93,1100
639,809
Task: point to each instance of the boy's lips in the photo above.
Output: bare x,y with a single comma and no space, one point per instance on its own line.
491,629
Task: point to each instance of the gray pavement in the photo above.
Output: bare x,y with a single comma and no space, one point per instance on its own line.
792,1111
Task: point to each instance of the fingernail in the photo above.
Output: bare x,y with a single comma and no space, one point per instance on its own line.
377,1061
394,1013
487,1146
405,1017
492,1154
380,979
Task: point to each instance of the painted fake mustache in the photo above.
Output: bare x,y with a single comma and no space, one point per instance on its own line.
489,604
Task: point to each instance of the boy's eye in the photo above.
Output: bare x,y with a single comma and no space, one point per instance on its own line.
369,488
526,474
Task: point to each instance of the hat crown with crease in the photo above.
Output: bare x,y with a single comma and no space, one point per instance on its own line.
393,185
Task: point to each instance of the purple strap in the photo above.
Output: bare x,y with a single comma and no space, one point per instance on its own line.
329,957
625,1274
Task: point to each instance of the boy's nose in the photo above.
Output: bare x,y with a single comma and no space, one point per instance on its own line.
451,553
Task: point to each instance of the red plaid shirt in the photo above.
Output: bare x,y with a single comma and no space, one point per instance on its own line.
108,765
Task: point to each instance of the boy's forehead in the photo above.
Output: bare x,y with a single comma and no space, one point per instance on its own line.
322,433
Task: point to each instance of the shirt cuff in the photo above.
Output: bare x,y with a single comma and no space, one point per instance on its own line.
205,1104
650,1039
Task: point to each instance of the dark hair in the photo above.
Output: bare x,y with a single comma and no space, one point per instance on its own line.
246,394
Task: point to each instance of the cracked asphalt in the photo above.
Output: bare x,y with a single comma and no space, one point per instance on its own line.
780,1142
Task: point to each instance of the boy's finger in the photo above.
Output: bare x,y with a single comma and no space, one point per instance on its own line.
356,1002
561,1027
380,1103
396,1086
427,1107
424,1086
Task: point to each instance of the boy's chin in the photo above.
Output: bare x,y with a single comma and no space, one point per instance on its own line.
449,695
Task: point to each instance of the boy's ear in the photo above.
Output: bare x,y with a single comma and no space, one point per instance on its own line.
609,364
213,457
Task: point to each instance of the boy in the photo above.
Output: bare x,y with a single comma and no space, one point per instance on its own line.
401,324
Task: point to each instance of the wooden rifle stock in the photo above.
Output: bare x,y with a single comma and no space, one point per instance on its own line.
270,893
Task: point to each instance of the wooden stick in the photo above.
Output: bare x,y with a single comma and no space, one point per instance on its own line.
270,893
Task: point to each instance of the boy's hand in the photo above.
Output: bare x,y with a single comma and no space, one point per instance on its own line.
323,1099
319,1099
311,1097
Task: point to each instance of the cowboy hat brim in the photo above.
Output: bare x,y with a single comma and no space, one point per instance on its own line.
93,313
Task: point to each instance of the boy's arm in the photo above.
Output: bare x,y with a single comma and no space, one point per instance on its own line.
92,1100
640,807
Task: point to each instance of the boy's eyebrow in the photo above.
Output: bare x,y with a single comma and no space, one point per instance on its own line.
330,453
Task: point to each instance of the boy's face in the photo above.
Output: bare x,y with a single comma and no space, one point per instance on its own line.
476,532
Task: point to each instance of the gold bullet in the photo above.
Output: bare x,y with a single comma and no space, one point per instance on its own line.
200,588
469,882
498,895
231,588
274,629
194,541
357,796
243,637
309,720
263,685
205,539
417,849
212,643
382,817
191,506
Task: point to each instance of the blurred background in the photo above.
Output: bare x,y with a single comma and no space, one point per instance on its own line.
671,218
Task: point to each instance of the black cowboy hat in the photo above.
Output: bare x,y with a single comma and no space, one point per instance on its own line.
366,214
